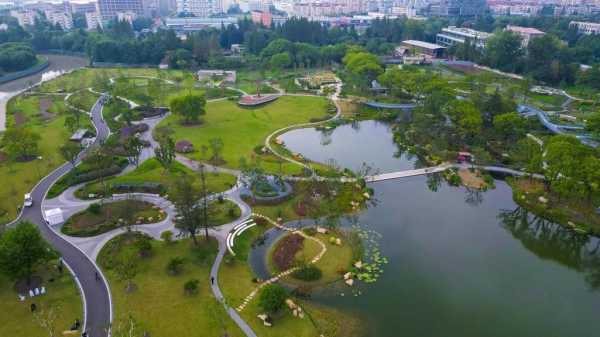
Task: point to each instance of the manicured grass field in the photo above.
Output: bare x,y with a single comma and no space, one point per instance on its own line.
151,171
20,177
243,129
159,305
62,296
83,99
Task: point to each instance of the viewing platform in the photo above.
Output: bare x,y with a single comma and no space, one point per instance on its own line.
255,100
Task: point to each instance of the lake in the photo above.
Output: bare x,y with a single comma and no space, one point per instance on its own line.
461,263
351,145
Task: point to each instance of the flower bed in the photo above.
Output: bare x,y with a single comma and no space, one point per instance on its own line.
284,254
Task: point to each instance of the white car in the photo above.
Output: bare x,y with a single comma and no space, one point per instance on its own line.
28,200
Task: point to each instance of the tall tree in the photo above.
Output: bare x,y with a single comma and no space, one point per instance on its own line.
503,51
133,148
364,66
510,126
22,250
593,123
204,201
185,198
21,143
216,146
165,152
189,107
70,152
127,269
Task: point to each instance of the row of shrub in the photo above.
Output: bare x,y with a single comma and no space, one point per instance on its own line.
149,112
145,187
84,173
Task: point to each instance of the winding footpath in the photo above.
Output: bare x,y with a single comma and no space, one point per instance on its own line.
95,293
79,254
287,272
335,99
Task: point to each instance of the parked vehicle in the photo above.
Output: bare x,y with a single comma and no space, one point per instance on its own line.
28,200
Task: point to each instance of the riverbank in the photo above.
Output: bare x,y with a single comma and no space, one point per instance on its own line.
57,63
41,64
576,215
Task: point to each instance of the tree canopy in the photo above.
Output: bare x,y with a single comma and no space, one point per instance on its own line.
189,107
22,250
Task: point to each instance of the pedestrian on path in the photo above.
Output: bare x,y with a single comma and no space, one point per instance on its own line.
212,280
97,277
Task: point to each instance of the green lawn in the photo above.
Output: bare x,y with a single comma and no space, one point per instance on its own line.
250,87
243,129
85,77
236,282
159,305
20,177
62,297
83,99
224,212
151,171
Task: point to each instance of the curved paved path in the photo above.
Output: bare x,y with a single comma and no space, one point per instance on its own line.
89,247
95,294
334,98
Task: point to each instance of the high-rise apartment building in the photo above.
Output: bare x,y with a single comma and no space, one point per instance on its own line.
24,17
108,9
61,18
84,7
199,8
453,8
588,28
92,20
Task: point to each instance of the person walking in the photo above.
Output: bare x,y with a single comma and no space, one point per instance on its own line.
212,280
97,277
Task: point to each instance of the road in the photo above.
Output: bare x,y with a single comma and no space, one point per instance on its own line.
96,294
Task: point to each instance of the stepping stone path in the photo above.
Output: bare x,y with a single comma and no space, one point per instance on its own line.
286,272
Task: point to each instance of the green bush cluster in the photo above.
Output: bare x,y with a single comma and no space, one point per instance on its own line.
308,272
272,298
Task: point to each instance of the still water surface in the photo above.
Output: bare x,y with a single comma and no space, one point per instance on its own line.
460,263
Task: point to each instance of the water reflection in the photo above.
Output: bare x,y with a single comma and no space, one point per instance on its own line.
554,242
351,145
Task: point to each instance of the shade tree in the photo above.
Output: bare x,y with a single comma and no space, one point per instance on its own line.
22,251
189,107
